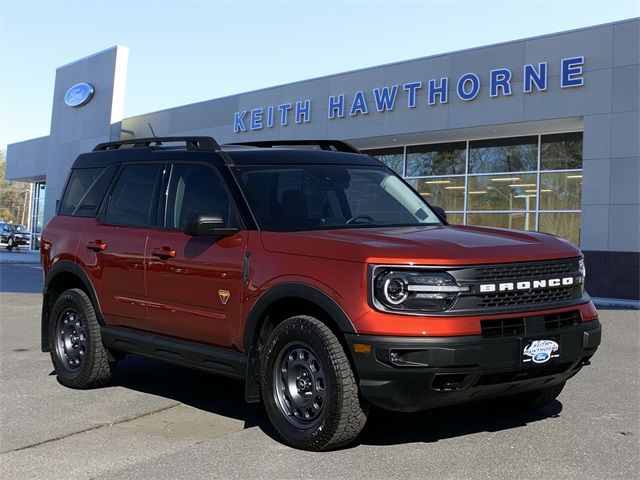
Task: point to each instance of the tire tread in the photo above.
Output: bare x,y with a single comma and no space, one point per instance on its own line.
97,371
344,427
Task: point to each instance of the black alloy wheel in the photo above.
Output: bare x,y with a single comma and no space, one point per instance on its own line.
77,352
308,386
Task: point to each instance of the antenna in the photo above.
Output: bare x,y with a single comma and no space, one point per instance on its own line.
152,132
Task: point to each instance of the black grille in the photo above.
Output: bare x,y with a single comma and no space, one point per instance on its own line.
530,325
503,328
506,299
525,374
562,320
488,295
525,270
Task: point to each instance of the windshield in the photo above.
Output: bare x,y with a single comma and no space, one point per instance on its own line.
313,197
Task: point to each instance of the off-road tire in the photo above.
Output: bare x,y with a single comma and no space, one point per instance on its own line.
342,414
74,334
531,401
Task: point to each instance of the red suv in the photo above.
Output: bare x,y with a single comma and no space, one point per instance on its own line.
311,271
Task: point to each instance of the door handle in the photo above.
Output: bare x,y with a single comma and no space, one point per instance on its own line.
163,252
97,246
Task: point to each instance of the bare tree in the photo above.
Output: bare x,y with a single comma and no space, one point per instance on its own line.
14,197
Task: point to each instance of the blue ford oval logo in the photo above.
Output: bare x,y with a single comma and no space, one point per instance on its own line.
79,94
541,357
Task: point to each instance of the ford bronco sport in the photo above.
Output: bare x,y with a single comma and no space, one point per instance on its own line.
312,272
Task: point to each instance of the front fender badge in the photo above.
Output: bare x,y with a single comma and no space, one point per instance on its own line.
224,296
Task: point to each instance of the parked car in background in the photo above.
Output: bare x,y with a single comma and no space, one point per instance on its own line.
14,235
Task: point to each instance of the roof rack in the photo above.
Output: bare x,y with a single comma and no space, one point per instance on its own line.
192,143
335,145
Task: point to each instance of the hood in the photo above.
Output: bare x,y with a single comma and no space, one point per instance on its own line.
442,245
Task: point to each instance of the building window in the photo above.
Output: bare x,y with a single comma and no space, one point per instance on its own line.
442,191
391,157
502,192
561,151
519,154
438,159
525,183
37,213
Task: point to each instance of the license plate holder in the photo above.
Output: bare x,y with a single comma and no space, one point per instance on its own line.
539,351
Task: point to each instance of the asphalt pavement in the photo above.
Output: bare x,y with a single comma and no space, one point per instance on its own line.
166,422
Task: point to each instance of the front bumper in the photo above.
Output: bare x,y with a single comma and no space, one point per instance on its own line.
410,374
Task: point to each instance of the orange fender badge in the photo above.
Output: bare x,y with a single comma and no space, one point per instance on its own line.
224,296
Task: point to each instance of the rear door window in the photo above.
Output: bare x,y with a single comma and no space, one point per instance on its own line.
133,199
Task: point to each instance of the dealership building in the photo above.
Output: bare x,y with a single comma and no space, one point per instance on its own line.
534,134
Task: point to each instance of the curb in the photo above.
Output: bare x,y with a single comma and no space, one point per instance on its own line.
28,258
616,303
19,262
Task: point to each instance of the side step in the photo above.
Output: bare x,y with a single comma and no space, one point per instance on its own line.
190,354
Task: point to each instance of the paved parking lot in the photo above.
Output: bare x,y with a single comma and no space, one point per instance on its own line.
165,422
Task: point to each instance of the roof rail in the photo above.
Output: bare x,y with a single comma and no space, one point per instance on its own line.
335,145
192,143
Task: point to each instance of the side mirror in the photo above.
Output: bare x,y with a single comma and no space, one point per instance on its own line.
440,211
207,225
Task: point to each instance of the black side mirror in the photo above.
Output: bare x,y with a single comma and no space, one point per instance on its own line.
440,211
208,224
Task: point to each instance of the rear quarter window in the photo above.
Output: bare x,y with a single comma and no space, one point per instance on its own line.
85,190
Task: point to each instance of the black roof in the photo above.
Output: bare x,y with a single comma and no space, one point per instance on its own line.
327,152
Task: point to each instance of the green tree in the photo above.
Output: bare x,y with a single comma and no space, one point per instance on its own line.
14,197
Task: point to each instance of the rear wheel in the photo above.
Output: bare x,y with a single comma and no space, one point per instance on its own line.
308,386
77,352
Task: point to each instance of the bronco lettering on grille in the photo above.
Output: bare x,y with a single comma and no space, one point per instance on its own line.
526,285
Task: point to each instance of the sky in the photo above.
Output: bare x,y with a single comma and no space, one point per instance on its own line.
184,52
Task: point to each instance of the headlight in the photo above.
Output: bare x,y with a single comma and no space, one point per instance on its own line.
583,272
414,290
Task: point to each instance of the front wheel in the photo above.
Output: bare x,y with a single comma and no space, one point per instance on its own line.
308,386
10,244
77,352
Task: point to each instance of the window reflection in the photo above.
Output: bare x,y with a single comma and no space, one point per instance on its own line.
502,192
517,221
391,157
445,192
560,191
561,151
503,155
455,218
438,159
503,186
562,224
